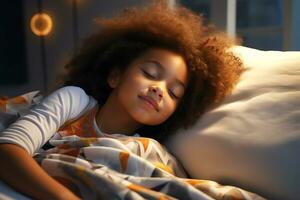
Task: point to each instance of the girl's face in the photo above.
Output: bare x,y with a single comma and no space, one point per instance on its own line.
152,86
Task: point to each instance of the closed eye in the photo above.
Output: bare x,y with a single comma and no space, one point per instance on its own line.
173,95
148,75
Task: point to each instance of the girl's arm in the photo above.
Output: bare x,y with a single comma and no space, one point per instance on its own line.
21,171
28,134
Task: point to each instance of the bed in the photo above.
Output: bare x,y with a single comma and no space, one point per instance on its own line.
246,148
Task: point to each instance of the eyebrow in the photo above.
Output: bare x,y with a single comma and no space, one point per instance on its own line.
159,65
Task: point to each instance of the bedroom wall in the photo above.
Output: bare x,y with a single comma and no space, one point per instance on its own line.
73,20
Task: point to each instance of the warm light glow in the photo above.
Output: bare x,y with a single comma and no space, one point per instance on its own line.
41,24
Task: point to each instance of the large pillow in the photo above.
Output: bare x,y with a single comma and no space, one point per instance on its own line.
252,140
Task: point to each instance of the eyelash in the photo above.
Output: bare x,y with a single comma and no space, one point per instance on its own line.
153,77
173,95
149,75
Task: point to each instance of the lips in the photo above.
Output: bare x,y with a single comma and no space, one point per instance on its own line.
151,101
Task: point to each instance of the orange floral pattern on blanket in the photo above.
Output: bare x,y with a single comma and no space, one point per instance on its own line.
82,127
6,102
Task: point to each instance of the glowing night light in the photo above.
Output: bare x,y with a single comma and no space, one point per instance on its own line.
41,24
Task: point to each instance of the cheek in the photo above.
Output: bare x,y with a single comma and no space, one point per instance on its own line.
132,79
128,91
169,107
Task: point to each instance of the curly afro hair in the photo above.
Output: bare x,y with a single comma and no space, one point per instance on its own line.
213,70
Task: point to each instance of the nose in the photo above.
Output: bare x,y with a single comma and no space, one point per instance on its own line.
157,91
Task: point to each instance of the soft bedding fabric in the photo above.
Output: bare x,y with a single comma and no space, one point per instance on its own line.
121,167
253,138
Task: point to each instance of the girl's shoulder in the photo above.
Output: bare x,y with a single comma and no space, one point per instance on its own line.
73,94
70,91
42,120
67,102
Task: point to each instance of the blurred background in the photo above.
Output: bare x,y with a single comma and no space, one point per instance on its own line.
39,36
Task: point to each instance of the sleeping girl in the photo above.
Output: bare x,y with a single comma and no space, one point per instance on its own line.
147,72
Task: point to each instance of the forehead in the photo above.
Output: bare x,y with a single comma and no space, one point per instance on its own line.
172,62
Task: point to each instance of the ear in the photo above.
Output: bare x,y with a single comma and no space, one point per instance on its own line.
114,78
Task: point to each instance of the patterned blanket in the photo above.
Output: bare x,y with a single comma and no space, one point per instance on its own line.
116,166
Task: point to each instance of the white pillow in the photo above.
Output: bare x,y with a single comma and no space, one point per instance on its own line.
253,139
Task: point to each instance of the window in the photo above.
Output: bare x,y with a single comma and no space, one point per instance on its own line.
259,23
197,6
262,24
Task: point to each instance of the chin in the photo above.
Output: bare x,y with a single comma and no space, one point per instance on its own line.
144,115
148,120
